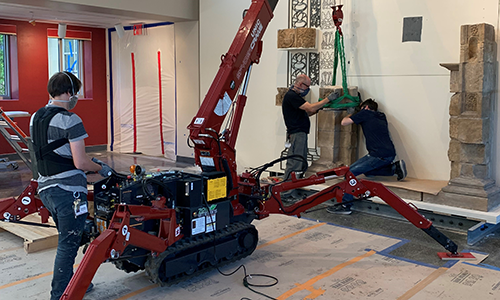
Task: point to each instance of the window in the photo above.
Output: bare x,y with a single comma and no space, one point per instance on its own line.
4,67
66,55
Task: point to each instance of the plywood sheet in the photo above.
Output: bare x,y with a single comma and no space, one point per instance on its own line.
35,238
463,281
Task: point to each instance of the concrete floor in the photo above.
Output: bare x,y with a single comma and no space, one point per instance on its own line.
419,247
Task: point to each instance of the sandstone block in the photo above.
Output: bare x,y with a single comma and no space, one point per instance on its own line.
286,38
475,153
348,139
297,38
329,119
478,77
327,138
483,32
455,169
454,150
476,104
281,94
455,82
305,38
472,130
325,91
456,104
347,156
476,51
454,122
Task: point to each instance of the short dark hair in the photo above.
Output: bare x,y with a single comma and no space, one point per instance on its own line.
372,105
60,83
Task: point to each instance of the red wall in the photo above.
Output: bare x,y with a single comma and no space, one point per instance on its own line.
33,70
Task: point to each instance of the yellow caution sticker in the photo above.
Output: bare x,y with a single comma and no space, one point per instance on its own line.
216,188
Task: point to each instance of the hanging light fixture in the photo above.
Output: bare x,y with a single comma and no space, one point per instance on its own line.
32,21
61,30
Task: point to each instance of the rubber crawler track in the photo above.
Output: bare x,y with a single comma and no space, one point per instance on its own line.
177,250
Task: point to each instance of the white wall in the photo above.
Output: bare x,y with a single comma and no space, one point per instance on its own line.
188,81
405,78
262,132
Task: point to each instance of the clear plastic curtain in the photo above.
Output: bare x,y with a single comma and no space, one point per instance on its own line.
144,103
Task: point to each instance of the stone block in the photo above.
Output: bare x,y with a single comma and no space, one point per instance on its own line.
478,77
305,38
353,90
476,104
325,91
455,82
475,153
455,169
454,150
456,104
482,32
476,51
472,130
297,38
480,171
286,38
458,200
348,139
470,170
281,94
347,156
327,138
329,119
454,122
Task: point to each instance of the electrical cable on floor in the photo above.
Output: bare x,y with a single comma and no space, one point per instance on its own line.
247,284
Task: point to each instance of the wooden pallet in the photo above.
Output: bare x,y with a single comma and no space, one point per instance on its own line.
35,238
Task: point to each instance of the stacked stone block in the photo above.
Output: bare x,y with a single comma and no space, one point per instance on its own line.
297,38
473,83
338,144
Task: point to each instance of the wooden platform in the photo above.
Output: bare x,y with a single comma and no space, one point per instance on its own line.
35,238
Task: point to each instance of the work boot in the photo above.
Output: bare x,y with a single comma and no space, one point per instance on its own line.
90,288
339,209
400,170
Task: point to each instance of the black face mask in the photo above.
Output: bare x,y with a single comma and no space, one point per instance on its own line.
305,92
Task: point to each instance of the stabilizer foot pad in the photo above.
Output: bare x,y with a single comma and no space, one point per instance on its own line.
458,256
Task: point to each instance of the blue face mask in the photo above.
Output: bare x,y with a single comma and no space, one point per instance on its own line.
305,92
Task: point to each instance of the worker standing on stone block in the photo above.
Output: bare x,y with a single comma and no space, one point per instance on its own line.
296,112
381,151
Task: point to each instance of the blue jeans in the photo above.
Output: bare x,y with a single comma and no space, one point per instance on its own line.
60,205
370,166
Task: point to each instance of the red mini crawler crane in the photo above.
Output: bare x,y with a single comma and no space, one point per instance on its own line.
175,224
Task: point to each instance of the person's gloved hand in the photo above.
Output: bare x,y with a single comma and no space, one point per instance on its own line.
333,96
106,170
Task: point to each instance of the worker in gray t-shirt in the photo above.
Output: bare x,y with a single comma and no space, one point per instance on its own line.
58,142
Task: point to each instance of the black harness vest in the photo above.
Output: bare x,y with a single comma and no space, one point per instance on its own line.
48,162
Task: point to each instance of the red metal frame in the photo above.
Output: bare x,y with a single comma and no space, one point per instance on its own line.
113,241
205,126
14,209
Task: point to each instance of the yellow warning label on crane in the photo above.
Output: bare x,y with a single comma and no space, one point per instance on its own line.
216,188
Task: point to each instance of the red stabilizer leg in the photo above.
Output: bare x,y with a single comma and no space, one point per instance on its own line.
97,252
460,255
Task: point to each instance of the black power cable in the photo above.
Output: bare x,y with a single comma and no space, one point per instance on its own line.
246,283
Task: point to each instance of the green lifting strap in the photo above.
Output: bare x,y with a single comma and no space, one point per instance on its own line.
339,53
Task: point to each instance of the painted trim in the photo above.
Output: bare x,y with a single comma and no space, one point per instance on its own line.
134,102
160,103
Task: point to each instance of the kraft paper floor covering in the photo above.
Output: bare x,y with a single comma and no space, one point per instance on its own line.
311,260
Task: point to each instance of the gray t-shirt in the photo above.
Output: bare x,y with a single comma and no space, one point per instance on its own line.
67,125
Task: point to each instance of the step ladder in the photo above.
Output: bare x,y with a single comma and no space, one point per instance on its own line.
19,141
